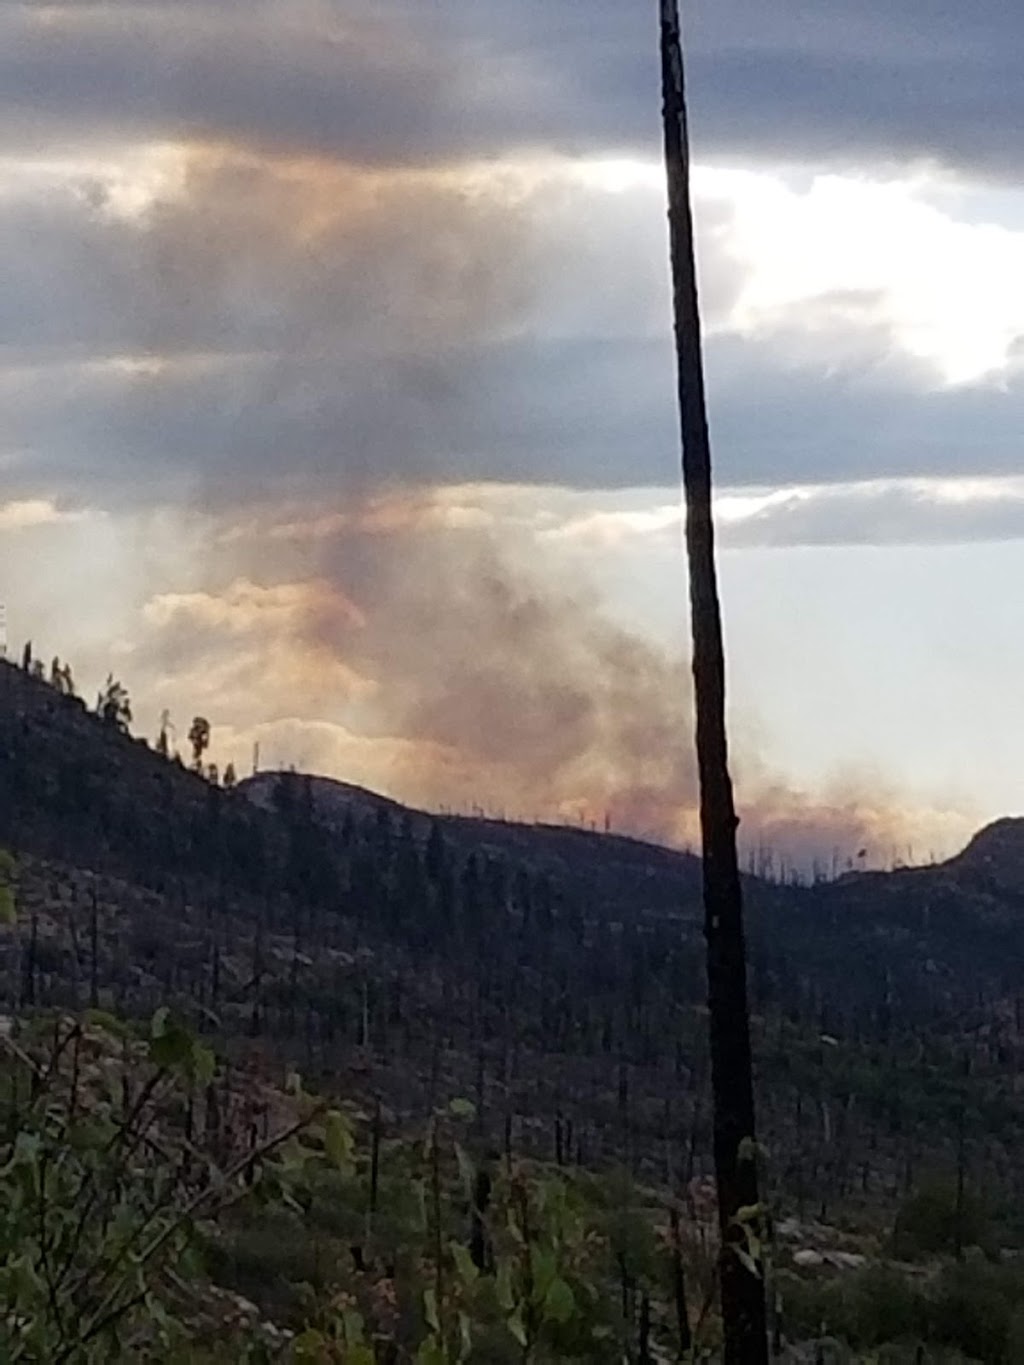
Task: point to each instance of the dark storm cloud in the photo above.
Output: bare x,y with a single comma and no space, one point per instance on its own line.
81,74
794,80
312,328
865,79
580,415
775,424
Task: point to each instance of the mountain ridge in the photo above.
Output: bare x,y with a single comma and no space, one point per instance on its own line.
555,975
1000,838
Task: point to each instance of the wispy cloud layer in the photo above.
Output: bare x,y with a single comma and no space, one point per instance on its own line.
907,512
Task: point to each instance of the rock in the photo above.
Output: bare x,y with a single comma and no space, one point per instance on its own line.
845,1260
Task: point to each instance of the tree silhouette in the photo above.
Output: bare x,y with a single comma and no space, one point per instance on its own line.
113,705
743,1305
199,738
163,744
61,679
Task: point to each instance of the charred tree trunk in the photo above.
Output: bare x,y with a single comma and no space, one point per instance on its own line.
94,970
375,1160
679,1286
961,1161
743,1305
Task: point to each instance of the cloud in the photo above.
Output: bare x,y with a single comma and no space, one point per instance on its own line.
213,322
873,512
798,423
794,81
423,84
303,322
287,76
21,516
886,512
201,323
843,259
864,82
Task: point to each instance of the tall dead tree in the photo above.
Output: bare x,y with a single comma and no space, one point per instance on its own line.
742,1286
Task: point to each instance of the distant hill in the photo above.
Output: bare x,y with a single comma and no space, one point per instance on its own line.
607,866
994,856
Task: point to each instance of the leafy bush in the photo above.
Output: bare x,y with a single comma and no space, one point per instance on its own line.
928,1224
135,1204
974,1308
868,1308
886,1307
105,1179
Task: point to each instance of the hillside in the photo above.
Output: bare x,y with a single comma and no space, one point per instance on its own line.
554,975
604,866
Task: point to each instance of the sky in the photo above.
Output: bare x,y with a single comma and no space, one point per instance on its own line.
337,397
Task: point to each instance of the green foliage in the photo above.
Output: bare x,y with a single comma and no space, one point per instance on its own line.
339,1143
868,1309
101,1193
1015,1334
932,1222
83,1220
116,1228
972,1310
535,1283
8,883
173,1046
885,1307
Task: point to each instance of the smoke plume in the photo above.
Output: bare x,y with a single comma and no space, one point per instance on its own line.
415,644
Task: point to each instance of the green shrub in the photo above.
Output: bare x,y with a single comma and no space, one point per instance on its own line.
973,1309
868,1308
927,1223
885,1307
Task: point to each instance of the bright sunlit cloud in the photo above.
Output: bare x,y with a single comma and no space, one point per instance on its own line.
124,183
845,253
31,512
619,175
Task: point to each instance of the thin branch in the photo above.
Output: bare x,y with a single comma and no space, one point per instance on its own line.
109,1310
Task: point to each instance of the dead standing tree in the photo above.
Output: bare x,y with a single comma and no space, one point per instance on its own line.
742,1286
